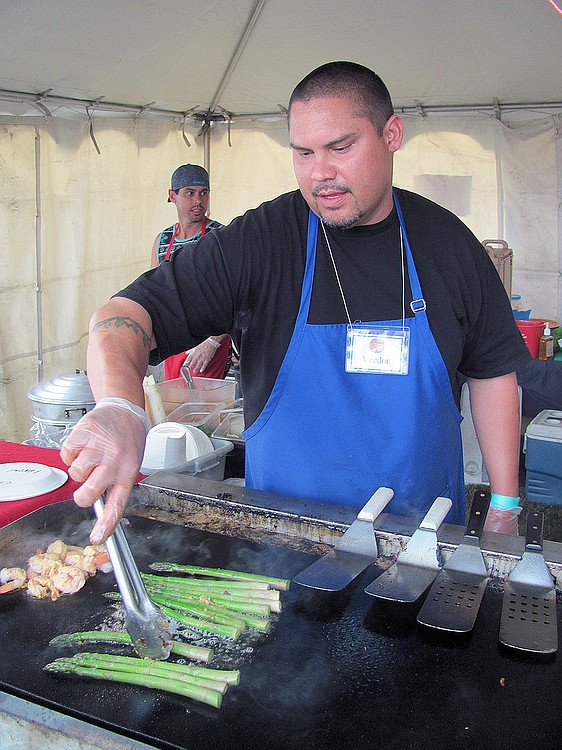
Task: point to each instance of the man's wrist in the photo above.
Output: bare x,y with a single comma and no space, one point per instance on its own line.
216,344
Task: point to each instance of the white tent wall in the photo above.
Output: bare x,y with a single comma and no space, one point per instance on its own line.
503,180
256,167
100,212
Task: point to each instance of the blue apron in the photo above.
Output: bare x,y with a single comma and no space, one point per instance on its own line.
337,436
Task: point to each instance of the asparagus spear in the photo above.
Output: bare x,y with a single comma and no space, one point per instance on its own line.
205,626
210,612
167,683
198,609
230,575
233,603
269,597
199,653
210,679
206,583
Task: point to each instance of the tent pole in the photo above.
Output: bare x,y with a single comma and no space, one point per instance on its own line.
38,263
257,9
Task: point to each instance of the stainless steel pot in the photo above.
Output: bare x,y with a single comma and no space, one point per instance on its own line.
62,400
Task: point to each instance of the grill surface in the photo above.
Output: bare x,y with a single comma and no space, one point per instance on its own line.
337,670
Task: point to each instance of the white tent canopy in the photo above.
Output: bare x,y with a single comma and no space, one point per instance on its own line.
177,55
99,100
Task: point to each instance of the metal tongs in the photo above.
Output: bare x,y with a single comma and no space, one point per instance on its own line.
145,622
186,375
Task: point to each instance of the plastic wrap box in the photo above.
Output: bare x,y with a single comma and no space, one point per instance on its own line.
211,465
543,458
206,390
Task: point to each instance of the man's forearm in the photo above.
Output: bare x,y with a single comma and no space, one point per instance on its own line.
494,404
119,344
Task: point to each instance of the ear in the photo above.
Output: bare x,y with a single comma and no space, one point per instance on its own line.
172,196
393,133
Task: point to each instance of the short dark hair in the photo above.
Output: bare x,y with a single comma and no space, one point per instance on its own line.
355,82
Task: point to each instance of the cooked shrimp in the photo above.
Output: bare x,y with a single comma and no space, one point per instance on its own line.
69,579
100,557
58,548
44,564
102,562
12,579
92,549
78,560
39,587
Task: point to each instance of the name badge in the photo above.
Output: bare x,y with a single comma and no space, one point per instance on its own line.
377,350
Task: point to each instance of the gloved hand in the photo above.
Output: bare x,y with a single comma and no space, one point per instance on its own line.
104,451
503,520
199,357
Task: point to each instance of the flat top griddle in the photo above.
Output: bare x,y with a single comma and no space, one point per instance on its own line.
337,670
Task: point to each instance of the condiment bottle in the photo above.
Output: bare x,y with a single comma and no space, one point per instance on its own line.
546,344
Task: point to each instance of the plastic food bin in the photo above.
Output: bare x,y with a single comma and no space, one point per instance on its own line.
205,416
231,426
543,458
211,465
206,390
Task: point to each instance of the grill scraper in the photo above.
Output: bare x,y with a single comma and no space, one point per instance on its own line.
355,551
455,597
417,565
528,619
145,622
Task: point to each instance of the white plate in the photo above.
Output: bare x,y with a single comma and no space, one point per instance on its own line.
20,481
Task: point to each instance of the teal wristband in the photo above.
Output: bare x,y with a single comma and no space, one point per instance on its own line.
503,502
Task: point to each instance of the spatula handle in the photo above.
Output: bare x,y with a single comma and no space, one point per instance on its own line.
376,504
435,515
535,527
478,513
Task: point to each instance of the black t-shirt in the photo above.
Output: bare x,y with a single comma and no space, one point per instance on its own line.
245,279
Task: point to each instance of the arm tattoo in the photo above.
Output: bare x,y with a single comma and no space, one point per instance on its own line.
129,322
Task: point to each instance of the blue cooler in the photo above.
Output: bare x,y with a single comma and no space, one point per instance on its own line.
543,458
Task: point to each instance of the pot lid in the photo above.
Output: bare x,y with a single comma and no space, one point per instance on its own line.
69,388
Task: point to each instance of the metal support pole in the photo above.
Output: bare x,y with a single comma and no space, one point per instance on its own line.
38,256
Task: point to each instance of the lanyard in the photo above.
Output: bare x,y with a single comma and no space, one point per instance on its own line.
174,235
339,282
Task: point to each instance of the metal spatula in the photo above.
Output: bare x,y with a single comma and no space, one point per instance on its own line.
456,594
355,551
417,565
528,619
145,622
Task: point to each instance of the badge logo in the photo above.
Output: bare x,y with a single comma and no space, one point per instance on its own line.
376,345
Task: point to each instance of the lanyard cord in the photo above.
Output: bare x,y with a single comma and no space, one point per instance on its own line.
403,280
174,235
339,282
337,274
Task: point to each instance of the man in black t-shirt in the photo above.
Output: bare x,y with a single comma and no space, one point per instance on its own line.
352,304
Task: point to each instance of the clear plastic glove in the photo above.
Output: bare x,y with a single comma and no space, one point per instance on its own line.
503,521
199,357
104,452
